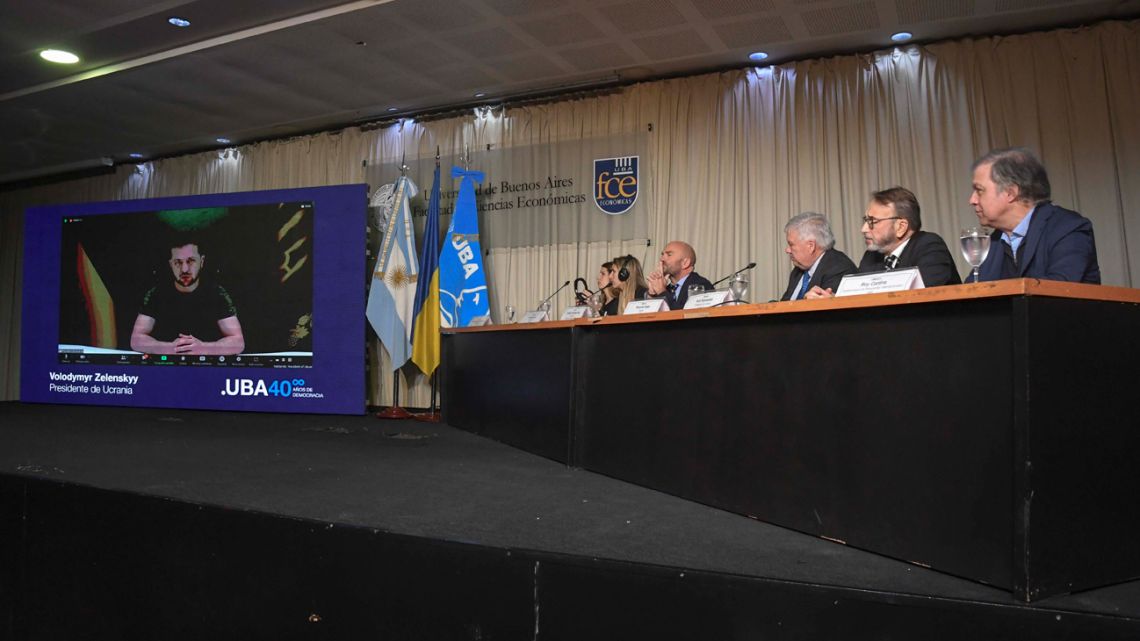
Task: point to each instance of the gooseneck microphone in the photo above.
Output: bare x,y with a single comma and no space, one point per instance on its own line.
742,269
555,293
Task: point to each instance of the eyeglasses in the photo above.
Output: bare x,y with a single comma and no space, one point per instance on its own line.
870,222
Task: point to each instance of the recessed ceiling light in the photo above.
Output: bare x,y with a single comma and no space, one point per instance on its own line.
481,94
757,56
224,141
58,56
178,22
393,109
902,36
135,155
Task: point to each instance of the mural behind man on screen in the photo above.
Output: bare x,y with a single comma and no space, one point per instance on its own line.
260,255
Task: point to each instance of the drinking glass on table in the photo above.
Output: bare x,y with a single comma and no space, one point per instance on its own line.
595,302
739,288
975,247
510,313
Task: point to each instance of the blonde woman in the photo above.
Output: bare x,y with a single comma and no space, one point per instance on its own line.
629,280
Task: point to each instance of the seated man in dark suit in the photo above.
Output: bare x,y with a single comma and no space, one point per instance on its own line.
675,275
817,264
1032,238
892,229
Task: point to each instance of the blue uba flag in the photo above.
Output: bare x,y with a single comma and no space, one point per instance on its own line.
462,280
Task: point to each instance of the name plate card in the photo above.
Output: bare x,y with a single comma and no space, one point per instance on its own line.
646,306
898,280
537,316
708,299
576,312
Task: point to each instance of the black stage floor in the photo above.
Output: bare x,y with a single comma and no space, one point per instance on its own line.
442,484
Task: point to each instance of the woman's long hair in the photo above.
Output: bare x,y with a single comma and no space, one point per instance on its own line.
634,281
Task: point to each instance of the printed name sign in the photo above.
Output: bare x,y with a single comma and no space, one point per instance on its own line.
708,299
898,280
647,306
536,316
576,312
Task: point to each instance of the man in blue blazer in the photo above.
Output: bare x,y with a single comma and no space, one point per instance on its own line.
1032,238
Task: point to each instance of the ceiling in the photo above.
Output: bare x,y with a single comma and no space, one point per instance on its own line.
257,69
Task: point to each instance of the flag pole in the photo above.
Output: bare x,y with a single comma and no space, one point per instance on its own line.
432,416
395,412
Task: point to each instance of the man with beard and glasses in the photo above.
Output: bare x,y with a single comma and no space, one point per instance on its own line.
892,231
187,315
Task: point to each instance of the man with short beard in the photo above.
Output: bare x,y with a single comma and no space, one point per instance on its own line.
892,229
187,316
675,275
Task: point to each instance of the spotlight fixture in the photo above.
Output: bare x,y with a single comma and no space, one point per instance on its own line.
901,36
59,56
481,94
393,109
135,155
224,141
178,22
758,56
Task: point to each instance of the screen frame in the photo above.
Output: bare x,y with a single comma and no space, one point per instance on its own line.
339,223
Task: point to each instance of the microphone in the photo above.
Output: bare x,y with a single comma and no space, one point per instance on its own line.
742,269
547,299
584,293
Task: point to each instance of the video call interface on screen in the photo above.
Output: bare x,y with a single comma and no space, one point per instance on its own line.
218,286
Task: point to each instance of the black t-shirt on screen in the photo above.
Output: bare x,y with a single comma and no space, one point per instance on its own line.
195,313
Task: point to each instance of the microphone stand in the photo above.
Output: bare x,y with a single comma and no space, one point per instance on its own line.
742,269
553,294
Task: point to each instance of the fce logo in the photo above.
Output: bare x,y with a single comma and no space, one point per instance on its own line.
615,184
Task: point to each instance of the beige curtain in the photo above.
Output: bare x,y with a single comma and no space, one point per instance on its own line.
734,155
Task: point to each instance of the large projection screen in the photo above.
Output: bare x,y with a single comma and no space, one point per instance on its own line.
248,301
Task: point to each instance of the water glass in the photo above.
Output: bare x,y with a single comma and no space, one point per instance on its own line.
975,247
739,288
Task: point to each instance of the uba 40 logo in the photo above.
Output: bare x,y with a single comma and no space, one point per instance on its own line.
615,184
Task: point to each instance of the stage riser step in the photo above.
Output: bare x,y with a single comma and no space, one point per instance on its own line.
81,562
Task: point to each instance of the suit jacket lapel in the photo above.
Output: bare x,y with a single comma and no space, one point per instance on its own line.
1032,238
908,251
991,267
820,269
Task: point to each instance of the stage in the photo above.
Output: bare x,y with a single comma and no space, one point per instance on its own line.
136,523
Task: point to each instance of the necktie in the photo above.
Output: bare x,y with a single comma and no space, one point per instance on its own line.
803,285
890,261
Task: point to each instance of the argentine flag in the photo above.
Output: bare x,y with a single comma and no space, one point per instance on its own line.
392,296
462,281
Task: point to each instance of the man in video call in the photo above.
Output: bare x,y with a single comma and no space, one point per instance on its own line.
187,315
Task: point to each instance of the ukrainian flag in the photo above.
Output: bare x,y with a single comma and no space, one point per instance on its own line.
425,323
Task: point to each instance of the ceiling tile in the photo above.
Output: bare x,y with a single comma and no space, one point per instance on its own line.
841,19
